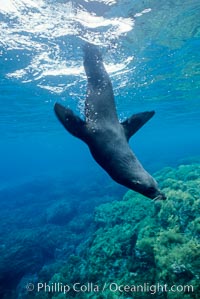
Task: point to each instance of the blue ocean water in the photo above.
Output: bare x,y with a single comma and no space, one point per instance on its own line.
151,52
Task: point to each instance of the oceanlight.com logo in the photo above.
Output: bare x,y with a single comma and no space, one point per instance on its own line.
108,287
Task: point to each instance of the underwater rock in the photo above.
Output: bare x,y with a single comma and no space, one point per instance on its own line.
138,241
60,213
181,271
128,241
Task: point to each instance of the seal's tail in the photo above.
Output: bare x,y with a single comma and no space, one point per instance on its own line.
91,52
94,67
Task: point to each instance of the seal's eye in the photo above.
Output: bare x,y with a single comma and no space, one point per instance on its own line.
136,184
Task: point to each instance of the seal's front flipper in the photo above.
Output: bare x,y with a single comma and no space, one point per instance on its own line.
71,122
135,122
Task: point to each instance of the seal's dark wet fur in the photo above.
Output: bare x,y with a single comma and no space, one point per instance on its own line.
105,136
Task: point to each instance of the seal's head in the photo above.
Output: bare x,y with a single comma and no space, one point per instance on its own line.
148,188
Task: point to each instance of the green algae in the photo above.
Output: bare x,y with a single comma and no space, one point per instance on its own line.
137,241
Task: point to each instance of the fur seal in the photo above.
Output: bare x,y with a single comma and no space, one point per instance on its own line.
101,130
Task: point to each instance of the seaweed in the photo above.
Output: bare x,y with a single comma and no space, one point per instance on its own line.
145,247
139,241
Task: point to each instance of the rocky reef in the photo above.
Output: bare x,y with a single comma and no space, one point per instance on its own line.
138,242
134,248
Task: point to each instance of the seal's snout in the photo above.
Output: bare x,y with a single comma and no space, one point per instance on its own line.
161,196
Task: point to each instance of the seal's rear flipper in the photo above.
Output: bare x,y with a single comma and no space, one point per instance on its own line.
135,122
71,122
